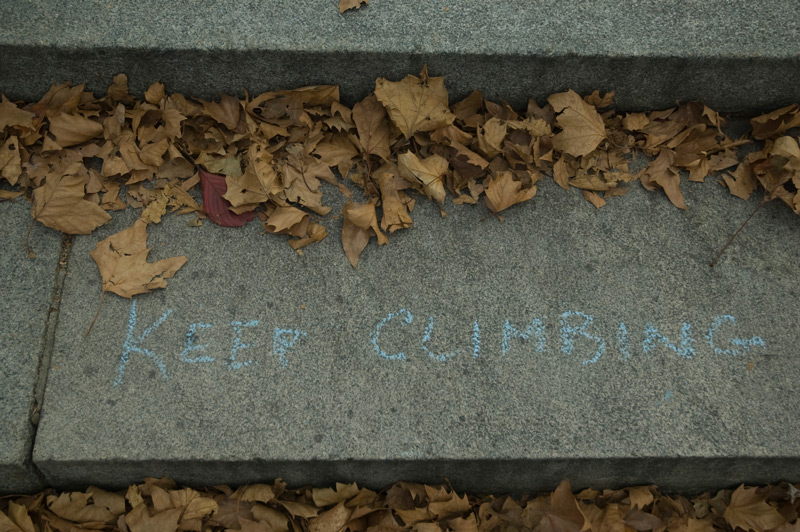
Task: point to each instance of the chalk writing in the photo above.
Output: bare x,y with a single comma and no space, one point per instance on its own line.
283,340
685,349
476,339
189,346
743,343
406,316
568,333
131,345
238,345
536,327
579,337
439,357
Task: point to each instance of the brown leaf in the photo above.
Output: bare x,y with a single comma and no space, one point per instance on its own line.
582,127
75,507
330,521
13,116
741,182
415,104
287,220
427,172
502,191
372,126
776,122
344,5
396,205
491,136
316,233
327,496
10,161
140,520
661,173
18,519
70,130
122,261
226,112
59,204
748,510
360,224
562,513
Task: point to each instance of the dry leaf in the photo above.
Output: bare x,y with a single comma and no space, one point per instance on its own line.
502,191
373,128
415,104
70,130
748,511
360,224
59,204
122,261
344,5
582,127
427,172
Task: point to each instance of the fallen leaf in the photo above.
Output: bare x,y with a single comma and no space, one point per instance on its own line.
427,172
13,116
59,204
140,520
502,191
331,520
344,5
360,224
215,205
415,104
70,130
748,511
10,161
661,174
372,126
582,127
122,261
776,122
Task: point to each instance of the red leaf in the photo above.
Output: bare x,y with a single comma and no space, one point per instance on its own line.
218,208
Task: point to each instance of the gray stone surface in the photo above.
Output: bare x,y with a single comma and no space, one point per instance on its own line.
737,55
25,301
505,413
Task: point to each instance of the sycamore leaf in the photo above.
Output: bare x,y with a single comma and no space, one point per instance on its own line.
11,115
226,112
287,220
217,207
372,126
661,173
59,204
741,182
582,127
140,520
491,137
749,511
122,261
428,172
562,513
502,191
10,162
360,224
328,496
394,203
70,130
316,233
415,104
344,5
776,122
331,520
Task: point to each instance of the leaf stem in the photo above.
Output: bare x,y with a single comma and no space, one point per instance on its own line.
100,306
730,240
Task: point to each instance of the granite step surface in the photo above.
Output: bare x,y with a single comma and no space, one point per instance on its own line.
29,312
563,342
736,55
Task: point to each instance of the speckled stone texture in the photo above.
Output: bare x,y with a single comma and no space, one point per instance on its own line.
25,299
565,341
737,55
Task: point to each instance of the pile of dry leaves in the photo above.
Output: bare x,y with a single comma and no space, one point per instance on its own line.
77,156
159,505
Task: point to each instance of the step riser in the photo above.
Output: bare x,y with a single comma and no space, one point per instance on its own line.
737,85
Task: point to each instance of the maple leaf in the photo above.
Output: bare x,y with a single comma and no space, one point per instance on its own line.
372,126
427,172
11,115
70,130
502,191
217,208
360,224
749,511
582,127
10,161
661,173
415,103
60,204
122,261
344,5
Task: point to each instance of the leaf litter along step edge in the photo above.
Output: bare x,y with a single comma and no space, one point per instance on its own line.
268,155
160,505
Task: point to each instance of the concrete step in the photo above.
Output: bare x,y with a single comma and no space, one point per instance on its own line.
28,312
735,55
595,345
